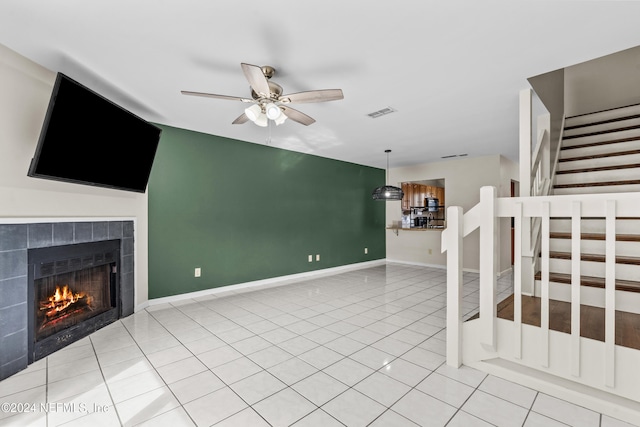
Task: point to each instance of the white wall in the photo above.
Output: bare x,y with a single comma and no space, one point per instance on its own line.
463,180
25,89
607,82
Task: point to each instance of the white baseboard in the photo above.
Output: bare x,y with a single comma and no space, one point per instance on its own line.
444,267
265,283
507,271
419,264
141,306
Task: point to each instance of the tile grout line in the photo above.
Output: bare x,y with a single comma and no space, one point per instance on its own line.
299,335
321,345
396,293
105,380
466,400
209,369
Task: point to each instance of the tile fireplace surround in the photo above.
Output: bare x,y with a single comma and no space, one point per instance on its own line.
15,241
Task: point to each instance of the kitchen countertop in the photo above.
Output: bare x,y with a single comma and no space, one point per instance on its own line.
415,229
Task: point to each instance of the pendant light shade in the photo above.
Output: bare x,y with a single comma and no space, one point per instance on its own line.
387,192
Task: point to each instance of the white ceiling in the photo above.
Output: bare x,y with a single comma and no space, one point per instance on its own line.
451,69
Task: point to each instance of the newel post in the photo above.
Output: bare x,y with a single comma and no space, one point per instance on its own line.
452,241
525,122
488,267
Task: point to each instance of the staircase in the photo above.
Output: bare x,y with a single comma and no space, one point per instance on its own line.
579,337
600,153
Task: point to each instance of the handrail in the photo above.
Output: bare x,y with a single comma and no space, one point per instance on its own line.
543,188
537,152
471,222
556,159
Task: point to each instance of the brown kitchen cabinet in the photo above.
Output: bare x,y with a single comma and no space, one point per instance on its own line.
415,195
408,194
417,198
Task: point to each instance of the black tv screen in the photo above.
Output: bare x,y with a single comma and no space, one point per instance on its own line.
87,139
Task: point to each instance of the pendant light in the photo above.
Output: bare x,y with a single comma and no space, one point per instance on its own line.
387,192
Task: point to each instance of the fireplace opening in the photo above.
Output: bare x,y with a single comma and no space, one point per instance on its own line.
74,291
65,300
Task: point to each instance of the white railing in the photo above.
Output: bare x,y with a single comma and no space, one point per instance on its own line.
536,180
486,342
540,174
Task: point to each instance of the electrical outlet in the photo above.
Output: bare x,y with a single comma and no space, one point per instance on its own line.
310,258
318,257
198,272
366,250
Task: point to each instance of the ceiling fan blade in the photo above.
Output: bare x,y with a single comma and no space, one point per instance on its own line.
242,118
297,116
213,95
314,96
256,79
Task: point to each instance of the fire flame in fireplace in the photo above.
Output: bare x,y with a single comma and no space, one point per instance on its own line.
60,300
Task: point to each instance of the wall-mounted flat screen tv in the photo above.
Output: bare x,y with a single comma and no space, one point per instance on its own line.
87,139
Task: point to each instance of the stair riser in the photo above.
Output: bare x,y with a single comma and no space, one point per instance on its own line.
599,150
625,301
597,162
602,116
598,176
604,127
598,190
595,226
632,133
595,269
596,247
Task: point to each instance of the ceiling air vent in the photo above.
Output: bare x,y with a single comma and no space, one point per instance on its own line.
380,113
454,155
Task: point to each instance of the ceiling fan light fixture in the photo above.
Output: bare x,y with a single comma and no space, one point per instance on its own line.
253,112
262,120
387,192
281,119
273,111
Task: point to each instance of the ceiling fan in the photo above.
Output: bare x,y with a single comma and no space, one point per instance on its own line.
268,101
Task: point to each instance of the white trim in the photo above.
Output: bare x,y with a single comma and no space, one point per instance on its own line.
596,400
141,307
507,271
444,267
418,264
264,283
39,220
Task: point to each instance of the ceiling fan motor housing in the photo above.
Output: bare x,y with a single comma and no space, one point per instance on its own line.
274,88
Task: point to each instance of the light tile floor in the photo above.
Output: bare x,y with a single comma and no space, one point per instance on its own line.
365,347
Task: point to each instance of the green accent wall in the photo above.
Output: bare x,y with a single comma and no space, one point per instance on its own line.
243,212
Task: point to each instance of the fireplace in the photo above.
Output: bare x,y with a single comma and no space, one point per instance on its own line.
73,290
17,296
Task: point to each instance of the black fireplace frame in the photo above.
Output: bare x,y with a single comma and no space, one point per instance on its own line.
48,261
